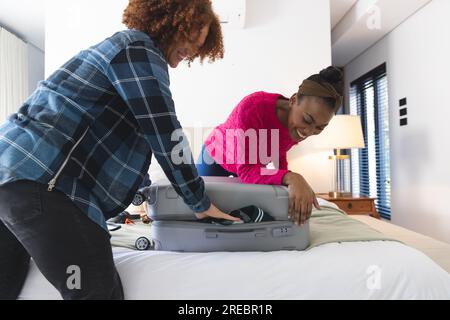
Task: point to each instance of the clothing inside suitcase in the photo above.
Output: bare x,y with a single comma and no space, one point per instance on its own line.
176,228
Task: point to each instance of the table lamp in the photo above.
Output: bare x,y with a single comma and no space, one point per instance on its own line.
343,132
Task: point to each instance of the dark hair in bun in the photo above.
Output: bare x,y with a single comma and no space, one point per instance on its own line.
332,76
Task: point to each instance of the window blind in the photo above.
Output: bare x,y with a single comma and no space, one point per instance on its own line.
371,165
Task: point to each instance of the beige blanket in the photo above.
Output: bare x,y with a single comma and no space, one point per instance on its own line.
333,225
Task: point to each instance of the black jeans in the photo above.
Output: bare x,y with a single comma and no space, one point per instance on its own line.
70,250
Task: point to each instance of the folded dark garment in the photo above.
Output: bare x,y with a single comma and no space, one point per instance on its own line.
250,214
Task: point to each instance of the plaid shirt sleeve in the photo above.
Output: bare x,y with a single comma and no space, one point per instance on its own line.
140,76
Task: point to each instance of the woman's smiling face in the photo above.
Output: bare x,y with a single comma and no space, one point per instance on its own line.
308,117
183,49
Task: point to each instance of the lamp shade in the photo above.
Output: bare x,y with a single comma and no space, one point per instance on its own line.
343,132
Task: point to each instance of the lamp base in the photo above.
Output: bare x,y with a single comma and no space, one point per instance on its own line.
334,194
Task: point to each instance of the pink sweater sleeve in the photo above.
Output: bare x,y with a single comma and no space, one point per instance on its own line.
283,161
258,174
249,117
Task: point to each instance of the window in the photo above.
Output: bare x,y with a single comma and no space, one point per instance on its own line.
13,73
371,166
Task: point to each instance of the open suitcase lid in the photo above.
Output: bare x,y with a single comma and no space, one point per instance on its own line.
227,194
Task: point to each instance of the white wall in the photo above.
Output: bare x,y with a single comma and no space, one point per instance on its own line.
72,26
283,42
417,56
36,67
274,52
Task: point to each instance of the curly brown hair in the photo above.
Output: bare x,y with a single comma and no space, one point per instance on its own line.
167,21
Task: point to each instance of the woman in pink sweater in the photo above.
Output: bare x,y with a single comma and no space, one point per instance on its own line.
263,127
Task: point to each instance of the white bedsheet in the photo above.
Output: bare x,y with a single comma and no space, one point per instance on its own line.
352,270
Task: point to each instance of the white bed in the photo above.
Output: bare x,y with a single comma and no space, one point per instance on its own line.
347,270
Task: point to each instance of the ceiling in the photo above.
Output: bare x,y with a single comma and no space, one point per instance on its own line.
26,19
367,22
338,10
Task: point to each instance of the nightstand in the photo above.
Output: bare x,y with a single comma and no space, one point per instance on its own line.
354,204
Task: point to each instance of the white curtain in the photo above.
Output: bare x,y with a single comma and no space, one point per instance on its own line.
13,73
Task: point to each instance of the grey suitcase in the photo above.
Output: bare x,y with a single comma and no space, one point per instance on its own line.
176,228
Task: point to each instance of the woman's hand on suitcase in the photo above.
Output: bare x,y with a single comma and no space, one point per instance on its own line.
213,212
301,198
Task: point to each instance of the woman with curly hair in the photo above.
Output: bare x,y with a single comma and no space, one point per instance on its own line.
76,151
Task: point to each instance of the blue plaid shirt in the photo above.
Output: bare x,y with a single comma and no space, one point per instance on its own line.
91,128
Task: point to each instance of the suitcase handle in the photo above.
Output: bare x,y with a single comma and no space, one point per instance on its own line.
235,234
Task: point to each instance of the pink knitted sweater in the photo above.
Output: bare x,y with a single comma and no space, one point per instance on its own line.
250,138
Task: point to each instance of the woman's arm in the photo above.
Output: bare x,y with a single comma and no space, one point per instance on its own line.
251,117
139,74
301,197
